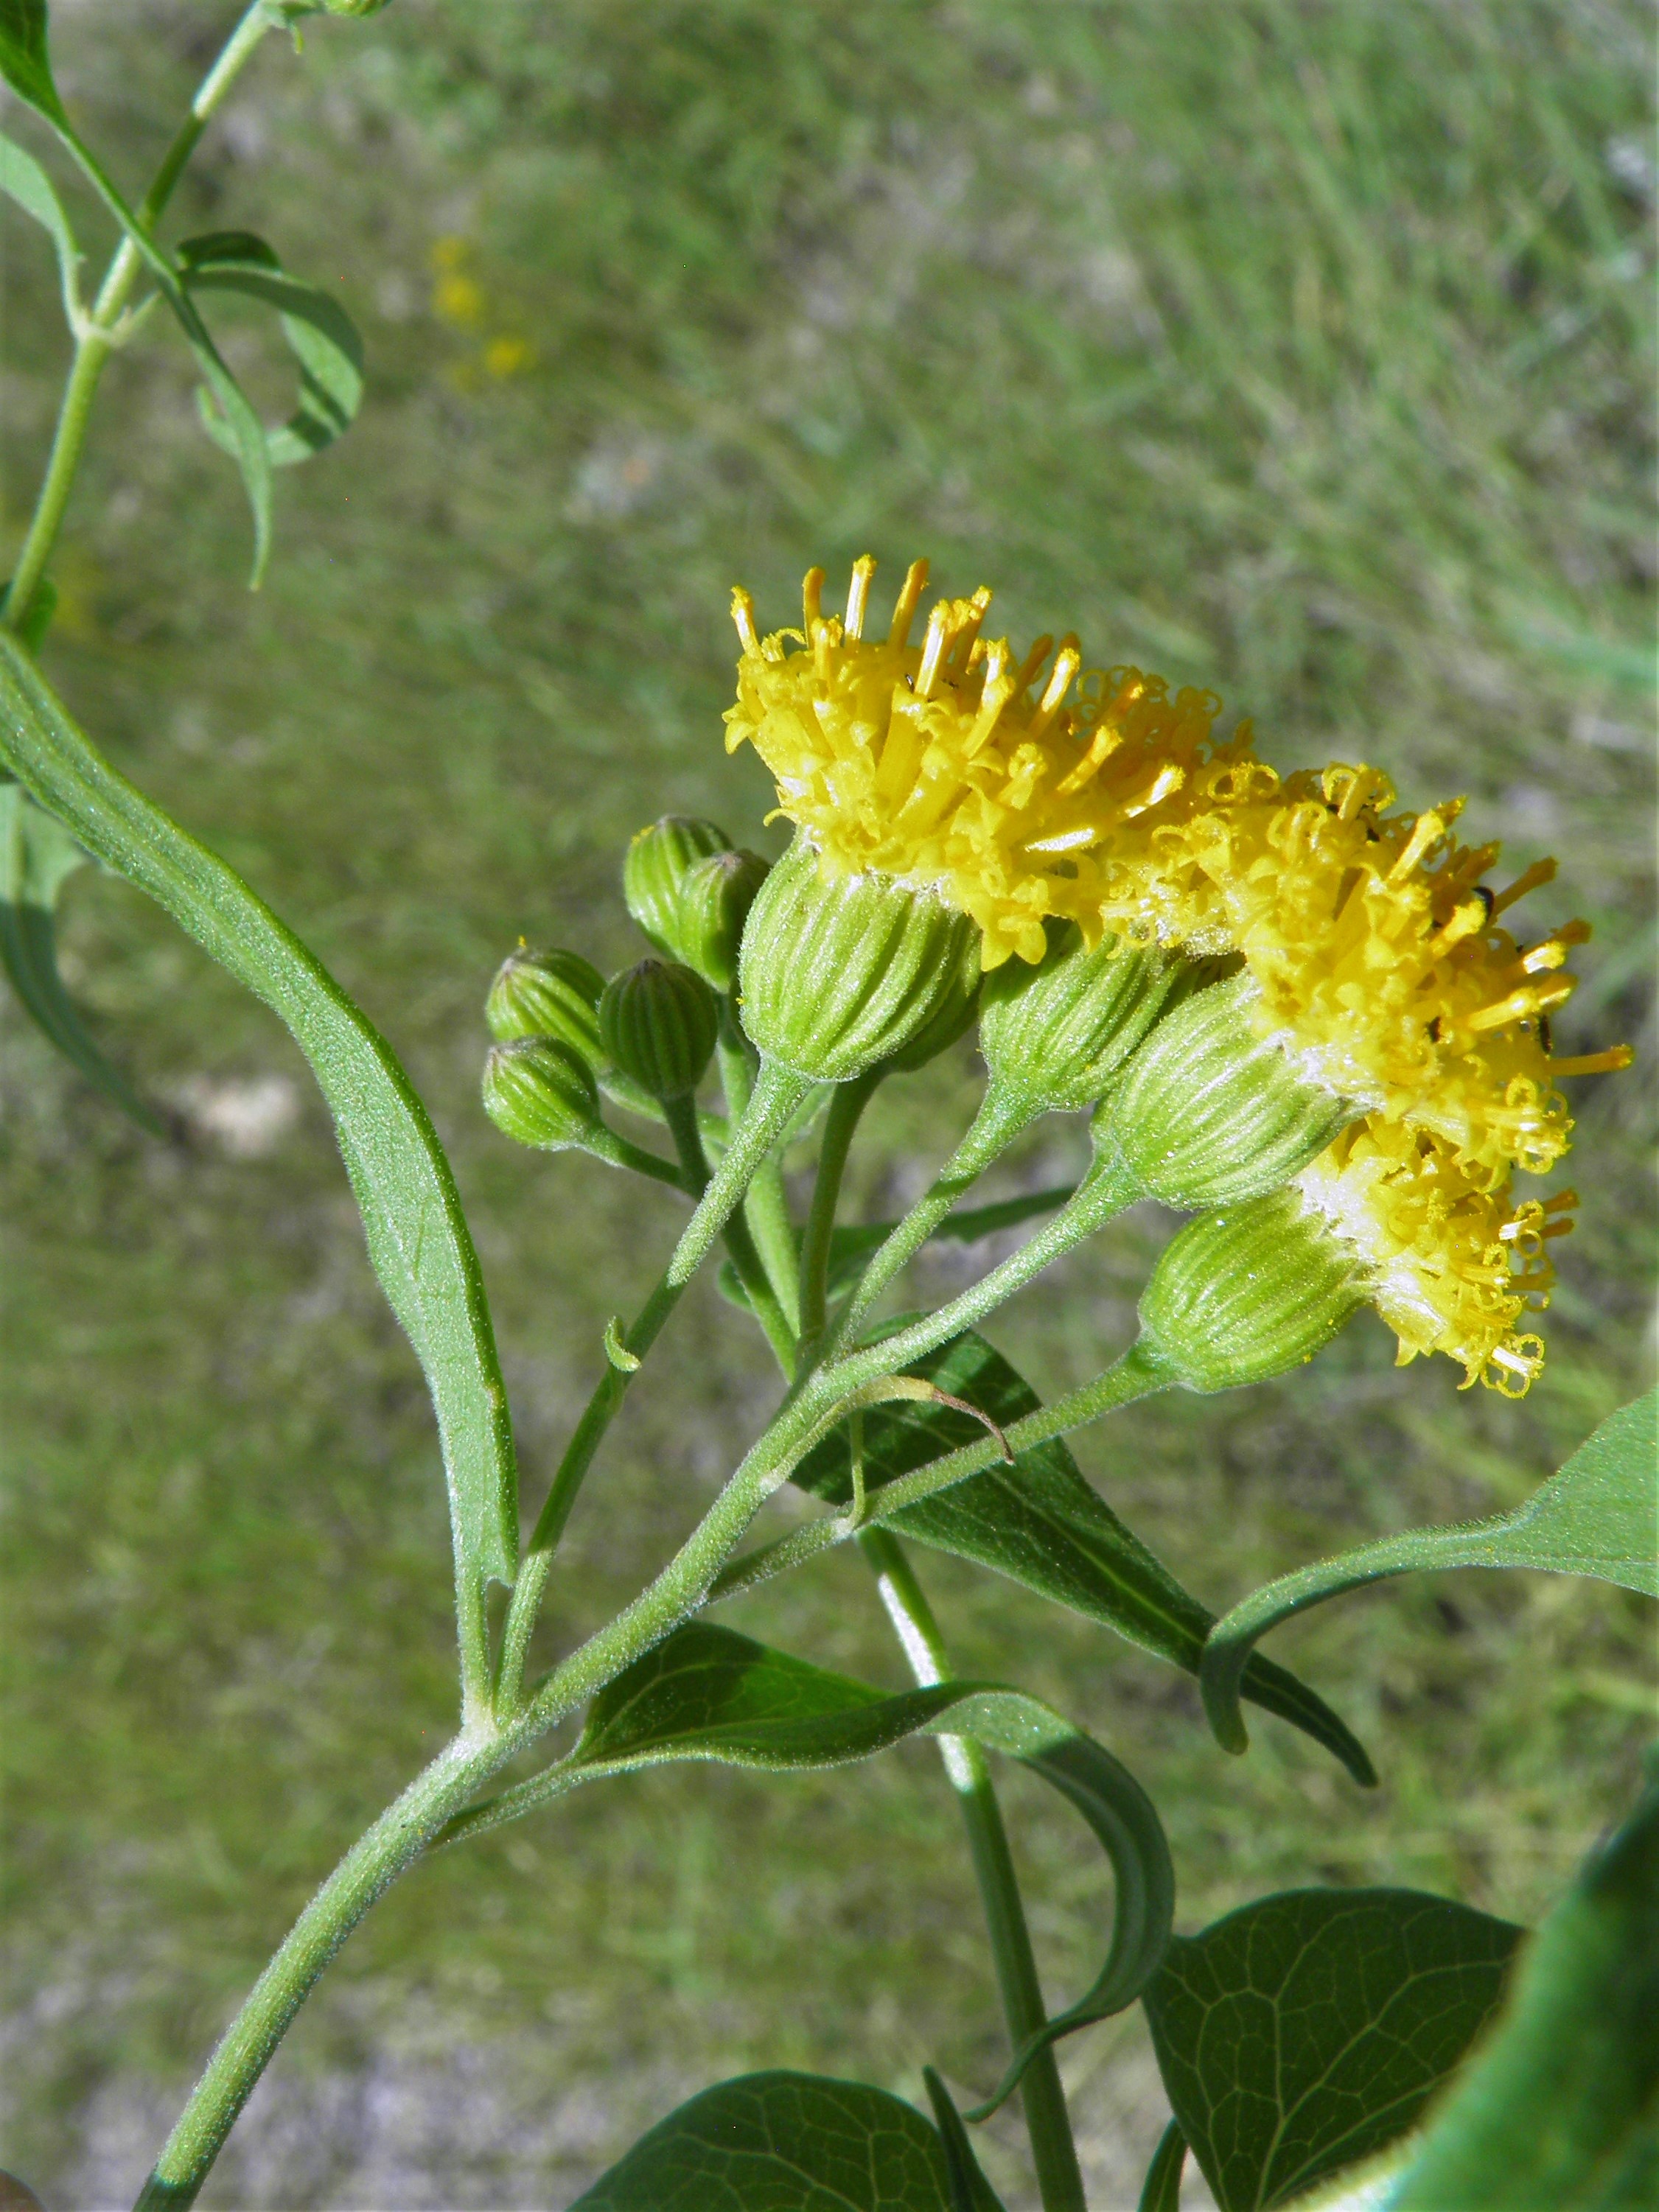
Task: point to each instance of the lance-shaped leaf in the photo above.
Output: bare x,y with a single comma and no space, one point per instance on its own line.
321,335
710,1694
417,1236
782,2142
1041,1523
1599,1515
1560,2107
969,2191
37,854
25,60
27,185
1308,2030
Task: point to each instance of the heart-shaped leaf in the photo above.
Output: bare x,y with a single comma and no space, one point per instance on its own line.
416,1233
1042,1524
1560,2107
1599,1515
782,2142
1308,2030
710,1693
321,335
27,185
37,854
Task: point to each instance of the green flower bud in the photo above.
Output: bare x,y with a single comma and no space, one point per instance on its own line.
655,866
537,1092
354,7
1247,1293
953,1017
1054,1035
716,897
839,972
553,994
658,1022
1207,1112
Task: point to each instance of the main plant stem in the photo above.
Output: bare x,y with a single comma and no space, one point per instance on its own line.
1060,2183
97,339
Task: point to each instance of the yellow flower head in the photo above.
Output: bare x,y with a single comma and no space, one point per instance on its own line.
960,767
1450,1265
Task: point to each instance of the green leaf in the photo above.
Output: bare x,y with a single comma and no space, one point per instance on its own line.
710,1693
969,2191
782,2142
24,181
1560,2107
37,854
321,335
1308,2030
1043,1525
25,61
1597,1516
418,1235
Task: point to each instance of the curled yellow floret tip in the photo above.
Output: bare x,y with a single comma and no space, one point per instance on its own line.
1017,786
1450,1265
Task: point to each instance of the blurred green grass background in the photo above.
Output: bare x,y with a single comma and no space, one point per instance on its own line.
1304,350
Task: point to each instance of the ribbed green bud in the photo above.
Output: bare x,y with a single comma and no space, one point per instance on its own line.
553,994
1053,1036
655,865
1207,1112
354,7
1247,1293
951,1019
837,973
658,1022
715,895
538,1092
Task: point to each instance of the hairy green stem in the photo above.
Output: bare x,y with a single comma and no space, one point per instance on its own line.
766,1205
96,341
1134,1376
1054,2153
368,1869
998,1122
846,1108
682,1118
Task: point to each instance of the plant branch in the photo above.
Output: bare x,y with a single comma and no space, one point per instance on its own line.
98,338
1054,2153
846,1108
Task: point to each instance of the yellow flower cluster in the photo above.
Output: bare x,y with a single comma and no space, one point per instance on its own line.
1451,1267
1021,787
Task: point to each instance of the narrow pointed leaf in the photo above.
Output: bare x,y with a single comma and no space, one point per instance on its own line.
25,61
1042,1524
1307,2031
710,1693
320,334
27,185
1599,1515
1560,2106
416,1233
37,855
782,2142
969,2191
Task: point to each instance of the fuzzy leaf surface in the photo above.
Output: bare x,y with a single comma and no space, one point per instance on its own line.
1042,1524
416,1234
1307,2031
782,2142
1599,1515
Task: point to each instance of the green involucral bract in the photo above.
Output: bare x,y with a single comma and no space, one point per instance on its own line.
657,1023
654,867
839,972
538,1092
552,994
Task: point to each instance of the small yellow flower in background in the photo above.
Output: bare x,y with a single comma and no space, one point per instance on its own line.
505,356
457,297
1450,1265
